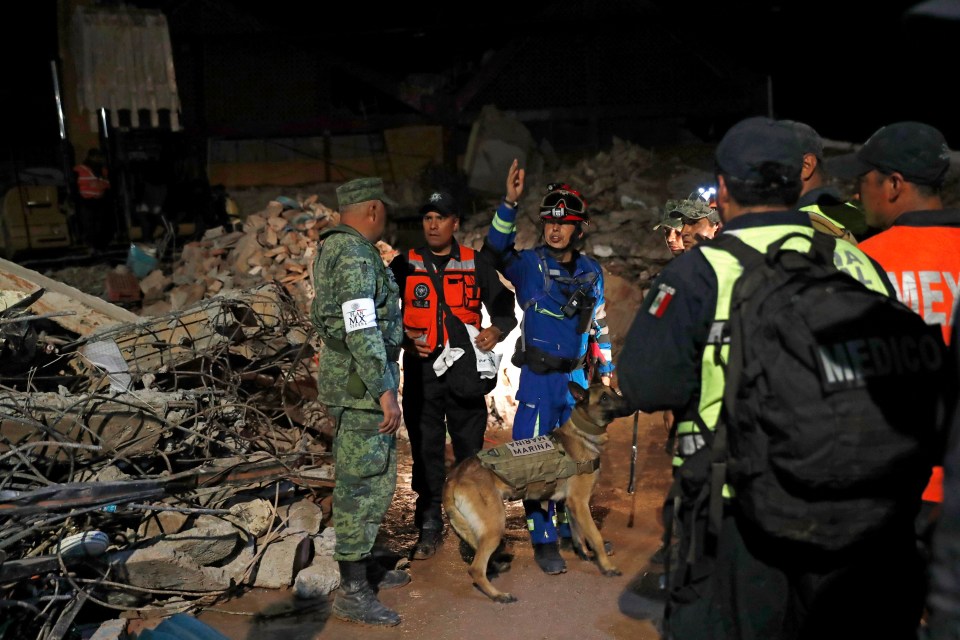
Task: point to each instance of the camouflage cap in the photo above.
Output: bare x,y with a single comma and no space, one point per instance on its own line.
692,210
362,190
666,220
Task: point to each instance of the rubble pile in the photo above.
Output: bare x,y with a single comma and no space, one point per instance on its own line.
154,467
276,245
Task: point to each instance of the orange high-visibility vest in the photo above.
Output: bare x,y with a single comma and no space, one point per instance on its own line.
923,264
421,309
90,185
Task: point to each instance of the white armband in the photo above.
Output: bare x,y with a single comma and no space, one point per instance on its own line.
359,314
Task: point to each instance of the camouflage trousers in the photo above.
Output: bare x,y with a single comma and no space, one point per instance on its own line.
366,477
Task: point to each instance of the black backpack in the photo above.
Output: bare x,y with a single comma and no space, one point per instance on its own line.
828,426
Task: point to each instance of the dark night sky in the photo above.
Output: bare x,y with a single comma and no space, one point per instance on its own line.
844,73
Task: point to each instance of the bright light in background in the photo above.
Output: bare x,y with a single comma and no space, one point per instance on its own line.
502,401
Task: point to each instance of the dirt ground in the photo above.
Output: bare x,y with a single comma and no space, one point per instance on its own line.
442,604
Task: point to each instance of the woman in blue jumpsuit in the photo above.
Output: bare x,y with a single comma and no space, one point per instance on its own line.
560,291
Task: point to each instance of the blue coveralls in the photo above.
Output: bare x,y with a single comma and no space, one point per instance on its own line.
544,402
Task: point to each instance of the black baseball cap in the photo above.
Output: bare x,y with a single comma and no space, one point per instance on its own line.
810,141
916,150
754,142
441,202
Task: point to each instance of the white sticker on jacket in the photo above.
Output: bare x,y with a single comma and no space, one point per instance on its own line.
359,314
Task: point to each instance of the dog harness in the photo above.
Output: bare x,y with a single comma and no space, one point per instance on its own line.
534,467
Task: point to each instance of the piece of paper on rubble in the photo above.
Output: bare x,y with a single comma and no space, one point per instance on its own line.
106,355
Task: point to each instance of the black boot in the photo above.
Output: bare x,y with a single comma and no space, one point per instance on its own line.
381,578
356,601
427,543
548,557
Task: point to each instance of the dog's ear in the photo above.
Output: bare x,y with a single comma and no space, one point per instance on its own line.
579,393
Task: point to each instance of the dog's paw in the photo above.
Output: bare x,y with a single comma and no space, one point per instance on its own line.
504,598
612,572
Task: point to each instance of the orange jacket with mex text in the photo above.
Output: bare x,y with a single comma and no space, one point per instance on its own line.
921,255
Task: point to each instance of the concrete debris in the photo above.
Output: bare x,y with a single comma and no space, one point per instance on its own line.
279,563
319,579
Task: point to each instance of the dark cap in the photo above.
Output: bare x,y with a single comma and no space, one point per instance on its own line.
441,202
916,150
810,141
362,190
754,142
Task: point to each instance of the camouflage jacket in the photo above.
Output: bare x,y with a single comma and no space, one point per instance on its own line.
356,312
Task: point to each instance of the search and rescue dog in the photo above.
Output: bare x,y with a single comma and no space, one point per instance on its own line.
474,494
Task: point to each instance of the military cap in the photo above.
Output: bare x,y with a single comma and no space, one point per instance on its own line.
666,220
362,190
917,151
755,143
691,209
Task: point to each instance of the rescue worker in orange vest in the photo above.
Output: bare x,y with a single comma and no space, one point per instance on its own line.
431,408
94,206
900,172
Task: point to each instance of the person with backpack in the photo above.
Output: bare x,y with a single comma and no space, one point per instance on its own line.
900,172
563,329
795,510
440,279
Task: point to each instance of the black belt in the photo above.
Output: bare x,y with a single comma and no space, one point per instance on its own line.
542,362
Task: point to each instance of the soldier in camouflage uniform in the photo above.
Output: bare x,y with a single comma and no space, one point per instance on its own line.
356,312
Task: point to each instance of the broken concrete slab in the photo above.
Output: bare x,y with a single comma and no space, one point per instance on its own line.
303,516
253,516
208,542
92,313
276,567
319,579
161,567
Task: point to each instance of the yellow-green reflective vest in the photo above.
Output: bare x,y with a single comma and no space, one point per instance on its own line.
727,270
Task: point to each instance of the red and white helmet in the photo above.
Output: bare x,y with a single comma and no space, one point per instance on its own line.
563,203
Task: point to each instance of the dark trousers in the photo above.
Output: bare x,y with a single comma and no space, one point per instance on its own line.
763,589
430,410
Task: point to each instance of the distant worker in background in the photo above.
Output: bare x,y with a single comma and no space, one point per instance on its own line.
699,220
828,211
670,227
95,203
